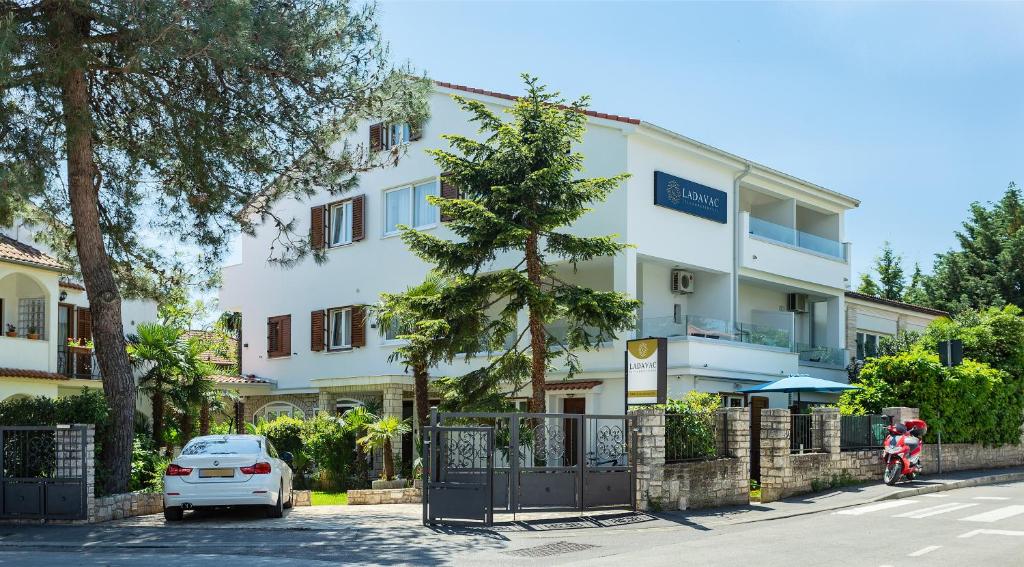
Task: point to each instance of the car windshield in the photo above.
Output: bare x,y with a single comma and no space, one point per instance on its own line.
225,446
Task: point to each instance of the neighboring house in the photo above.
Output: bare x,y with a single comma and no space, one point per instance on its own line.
743,267
870,318
46,309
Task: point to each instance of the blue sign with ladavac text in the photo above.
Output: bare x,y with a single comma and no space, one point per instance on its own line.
690,197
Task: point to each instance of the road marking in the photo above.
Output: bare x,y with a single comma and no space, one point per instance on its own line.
935,495
991,498
922,551
934,510
997,514
992,532
875,507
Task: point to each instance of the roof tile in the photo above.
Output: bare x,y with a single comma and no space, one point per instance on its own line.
15,251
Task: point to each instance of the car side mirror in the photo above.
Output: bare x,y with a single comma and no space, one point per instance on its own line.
286,457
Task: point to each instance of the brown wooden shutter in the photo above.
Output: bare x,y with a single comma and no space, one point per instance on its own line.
273,336
415,132
376,144
316,330
84,328
83,361
358,218
448,191
286,335
358,326
317,232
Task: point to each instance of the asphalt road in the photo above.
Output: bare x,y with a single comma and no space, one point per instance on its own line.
972,526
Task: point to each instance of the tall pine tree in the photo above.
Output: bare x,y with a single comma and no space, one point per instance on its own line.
988,268
891,278
519,190
165,117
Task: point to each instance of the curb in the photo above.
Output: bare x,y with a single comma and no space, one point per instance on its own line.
953,485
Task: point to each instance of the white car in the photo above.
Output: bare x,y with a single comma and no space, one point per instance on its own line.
228,470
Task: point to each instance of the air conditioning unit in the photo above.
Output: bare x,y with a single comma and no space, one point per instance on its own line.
796,302
682,281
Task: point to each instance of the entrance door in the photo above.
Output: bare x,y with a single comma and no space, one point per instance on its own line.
575,406
757,403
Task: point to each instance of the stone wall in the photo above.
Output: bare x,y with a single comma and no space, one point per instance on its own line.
126,505
697,484
967,456
385,496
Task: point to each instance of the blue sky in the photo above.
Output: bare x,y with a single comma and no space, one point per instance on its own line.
915,109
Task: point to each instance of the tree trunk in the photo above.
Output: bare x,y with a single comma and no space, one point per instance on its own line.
186,428
204,418
389,461
421,385
104,299
538,338
158,414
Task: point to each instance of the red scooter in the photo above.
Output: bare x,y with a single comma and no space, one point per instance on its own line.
902,450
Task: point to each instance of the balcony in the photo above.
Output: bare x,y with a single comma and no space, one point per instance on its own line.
77,364
822,356
782,250
793,237
25,353
700,327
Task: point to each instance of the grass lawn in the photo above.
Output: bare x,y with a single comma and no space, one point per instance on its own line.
319,498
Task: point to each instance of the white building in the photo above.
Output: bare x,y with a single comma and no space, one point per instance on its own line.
40,310
766,252
869,319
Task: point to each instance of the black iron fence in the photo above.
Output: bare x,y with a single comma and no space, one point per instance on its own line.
77,364
862,431
806,433
695,437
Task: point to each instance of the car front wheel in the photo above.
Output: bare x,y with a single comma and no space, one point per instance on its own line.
173,514
277,510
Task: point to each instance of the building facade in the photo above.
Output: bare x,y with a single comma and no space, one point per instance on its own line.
744,269
42,311
869,319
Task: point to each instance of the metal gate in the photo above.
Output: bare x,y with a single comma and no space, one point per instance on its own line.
42,472
551,461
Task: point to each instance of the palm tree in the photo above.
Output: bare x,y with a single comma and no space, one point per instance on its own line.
155,348
356,420
378,436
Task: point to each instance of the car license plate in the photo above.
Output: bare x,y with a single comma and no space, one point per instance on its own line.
216,473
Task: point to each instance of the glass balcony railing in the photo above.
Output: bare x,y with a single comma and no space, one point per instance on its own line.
718,329
793,237
825,356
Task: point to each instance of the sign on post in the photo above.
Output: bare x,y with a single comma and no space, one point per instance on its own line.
951,353
646,371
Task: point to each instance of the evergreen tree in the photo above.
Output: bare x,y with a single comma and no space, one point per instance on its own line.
437,323
988,268
891,278
868,286
173,117
519,190
915,292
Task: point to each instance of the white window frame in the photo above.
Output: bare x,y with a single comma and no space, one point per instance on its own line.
411,221
346,329
278,408
861,344
346,236
728,399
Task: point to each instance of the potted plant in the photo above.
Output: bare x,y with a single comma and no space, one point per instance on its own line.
378,436
33,333
80,346
11,331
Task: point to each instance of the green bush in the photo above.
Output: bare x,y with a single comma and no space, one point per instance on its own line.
690,426
971,403
147,466
331,447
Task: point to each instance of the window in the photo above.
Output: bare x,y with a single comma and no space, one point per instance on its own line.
279,336
397,134
340,223
274,410
393,330
732,401
32,317
408,206
867,345
339,334
345,404
223,446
